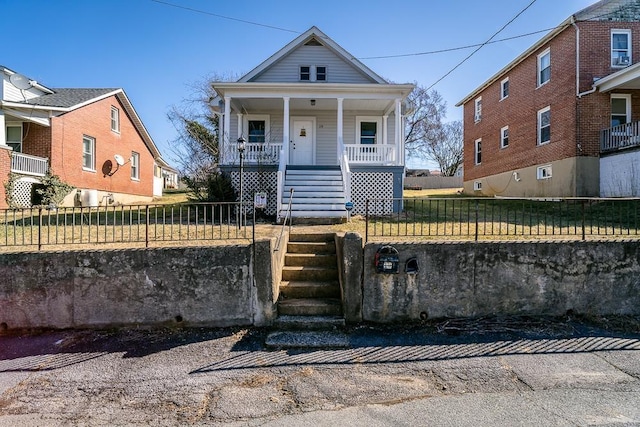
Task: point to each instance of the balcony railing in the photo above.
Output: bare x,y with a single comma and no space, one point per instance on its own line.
372,154
29,165
255,153
619,137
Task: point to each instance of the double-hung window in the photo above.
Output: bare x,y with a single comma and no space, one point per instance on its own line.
313,73
321,73
256,128
14,137
544,67
620,48
477,114
544,126
620,109
305,73
504,89
504,137
368,132
135,165
478,151
88,153
115,119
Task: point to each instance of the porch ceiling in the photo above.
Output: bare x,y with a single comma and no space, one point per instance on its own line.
627,78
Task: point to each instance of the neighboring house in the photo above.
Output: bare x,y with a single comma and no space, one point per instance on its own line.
75,134
318,121
553,121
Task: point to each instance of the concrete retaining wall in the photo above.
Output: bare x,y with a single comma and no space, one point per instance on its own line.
211,286
480,279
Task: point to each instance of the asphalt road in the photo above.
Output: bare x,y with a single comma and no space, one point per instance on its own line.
509,372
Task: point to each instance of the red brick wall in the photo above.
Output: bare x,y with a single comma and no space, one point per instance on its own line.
36,140
519,112
94,120
5,169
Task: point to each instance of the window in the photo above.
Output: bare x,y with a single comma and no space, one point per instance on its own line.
544,126
135,165
478,110
321,74
620,109
544,67
115,119
368,129
478,153
14,137
544,172
504,137
504,88
305,73
88,153
256,128
620,48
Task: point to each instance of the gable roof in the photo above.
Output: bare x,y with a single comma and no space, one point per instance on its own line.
313,34
609,10
69,98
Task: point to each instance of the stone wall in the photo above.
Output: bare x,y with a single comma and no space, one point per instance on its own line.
504,278
212,286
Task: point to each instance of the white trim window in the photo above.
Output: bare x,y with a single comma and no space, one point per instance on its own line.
504,137
88,153
313,73
135,166
256,127
477,114
368,131
504,89
620,48
544,172
544,126
14,136
620,109
478,151
115,119
544,67
305,73
321,73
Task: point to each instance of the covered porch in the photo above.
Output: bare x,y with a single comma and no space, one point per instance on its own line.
12,136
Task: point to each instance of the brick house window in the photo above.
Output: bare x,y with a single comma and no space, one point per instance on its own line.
115,119
135,165
544,172
478,151
14,137
504,88
477,116
620,109
88,153
620,48
544,126
544,67
504,137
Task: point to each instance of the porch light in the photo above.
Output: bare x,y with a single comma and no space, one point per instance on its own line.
313,102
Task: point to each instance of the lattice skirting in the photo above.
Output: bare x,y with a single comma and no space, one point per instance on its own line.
372,185
23,190
253,182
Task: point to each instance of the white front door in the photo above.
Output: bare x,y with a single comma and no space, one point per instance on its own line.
302,141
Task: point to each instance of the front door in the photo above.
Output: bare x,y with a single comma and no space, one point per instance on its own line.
301,147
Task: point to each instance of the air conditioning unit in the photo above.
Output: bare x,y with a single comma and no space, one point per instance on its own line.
622,60
477,186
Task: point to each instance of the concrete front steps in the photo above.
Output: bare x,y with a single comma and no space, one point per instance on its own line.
310,304
318,193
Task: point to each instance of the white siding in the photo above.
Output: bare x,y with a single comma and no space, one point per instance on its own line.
287,69
620,175
12,93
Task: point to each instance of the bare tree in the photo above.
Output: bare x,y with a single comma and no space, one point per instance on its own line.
427,109
447,149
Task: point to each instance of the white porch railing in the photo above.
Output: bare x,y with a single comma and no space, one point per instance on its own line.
282,169
343,158
29,165
254,153
373,154
618,137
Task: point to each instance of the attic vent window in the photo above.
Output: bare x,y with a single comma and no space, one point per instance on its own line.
313,42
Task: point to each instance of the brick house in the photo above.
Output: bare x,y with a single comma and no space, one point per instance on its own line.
75,134
545,123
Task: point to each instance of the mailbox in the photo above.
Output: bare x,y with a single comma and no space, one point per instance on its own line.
386,260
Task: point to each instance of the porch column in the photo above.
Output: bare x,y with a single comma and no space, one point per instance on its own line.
225,130
398,133
240,132
285,130
3,131
340,119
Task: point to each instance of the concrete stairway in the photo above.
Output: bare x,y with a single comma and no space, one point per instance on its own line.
310,303
318,192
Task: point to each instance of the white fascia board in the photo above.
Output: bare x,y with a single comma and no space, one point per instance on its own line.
28,116
23,105
618,79
317,90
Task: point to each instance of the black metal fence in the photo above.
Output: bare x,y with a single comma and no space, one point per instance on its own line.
493,218
146,224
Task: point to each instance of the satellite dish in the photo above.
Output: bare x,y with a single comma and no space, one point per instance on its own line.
119,159
20,81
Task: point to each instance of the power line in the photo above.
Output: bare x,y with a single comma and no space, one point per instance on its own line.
225,17
482,45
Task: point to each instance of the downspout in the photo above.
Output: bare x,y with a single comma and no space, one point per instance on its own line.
593,88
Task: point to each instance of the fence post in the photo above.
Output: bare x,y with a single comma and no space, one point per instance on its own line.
476,236
583,220
366,221
146,227
39,229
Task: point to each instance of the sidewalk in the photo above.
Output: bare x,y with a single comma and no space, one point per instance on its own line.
511,372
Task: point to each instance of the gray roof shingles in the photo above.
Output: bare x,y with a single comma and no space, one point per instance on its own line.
67,98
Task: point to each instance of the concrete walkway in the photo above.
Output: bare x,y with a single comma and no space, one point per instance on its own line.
563,373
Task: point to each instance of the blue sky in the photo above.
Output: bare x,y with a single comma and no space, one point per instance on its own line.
156,52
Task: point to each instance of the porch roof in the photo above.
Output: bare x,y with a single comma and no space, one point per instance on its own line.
627,78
